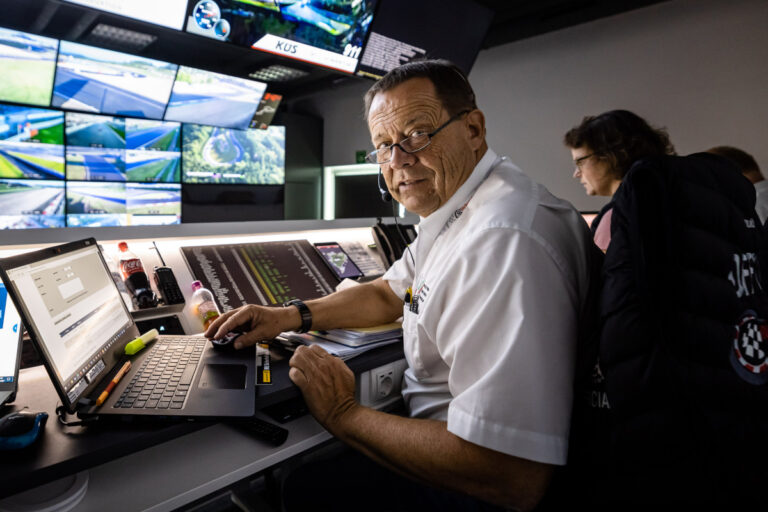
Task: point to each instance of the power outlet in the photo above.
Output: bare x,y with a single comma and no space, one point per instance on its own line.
383,382
381,386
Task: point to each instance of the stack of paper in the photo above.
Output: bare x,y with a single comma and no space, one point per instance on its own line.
345,343
362,336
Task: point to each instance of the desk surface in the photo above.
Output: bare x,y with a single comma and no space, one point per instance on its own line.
157,466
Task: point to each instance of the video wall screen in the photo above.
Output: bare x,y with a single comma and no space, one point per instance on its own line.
108,159
396,39
95,147
26,204
107,82
99,204
27,65
168,13
329,33
204,97
153,151
31,143
220,156
266,111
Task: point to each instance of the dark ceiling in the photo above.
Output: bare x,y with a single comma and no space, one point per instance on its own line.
513,20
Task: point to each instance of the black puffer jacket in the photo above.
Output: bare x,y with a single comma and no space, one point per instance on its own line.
682,347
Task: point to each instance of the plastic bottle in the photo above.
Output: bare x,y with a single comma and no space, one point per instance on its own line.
117,277
203,304
135,278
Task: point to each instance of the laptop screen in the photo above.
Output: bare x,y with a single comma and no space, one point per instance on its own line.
75,312
10,345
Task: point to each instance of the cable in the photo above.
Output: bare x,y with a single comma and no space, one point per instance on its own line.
402,237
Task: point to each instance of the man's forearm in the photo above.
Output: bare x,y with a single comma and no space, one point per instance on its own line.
424,450
365,305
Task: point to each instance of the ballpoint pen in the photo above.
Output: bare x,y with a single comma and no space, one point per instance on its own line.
104,394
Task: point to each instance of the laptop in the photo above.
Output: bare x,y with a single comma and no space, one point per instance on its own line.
10,347
73,311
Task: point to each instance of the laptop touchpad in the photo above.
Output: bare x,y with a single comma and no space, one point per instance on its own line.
223,376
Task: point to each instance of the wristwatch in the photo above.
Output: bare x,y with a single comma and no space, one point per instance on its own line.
306,315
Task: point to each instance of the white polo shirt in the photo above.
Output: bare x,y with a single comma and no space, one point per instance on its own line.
491,349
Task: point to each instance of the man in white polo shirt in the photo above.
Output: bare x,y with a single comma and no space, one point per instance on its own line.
490,293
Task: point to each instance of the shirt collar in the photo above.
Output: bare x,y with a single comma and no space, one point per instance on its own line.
434,222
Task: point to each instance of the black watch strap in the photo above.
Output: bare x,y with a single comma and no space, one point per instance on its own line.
306,315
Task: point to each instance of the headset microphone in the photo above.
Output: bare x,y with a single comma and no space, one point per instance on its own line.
385,195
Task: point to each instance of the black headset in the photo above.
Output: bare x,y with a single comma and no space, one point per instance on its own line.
385,195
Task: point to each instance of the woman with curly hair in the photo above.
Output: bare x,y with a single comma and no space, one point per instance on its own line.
604,147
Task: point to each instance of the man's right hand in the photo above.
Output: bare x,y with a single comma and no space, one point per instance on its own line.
257,322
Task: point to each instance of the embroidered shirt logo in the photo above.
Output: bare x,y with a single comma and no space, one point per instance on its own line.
749,355
745,276
419,295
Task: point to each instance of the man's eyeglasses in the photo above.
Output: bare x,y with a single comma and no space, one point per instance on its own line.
412,144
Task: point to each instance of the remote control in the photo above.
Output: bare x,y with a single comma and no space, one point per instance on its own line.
167,286
264,431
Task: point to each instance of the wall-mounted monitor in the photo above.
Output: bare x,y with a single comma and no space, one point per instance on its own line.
95,147
266,111
96,204
404,30
203,97
218,155
102,81
329,33
153,151
26,204
31,143
153,203
168,13
123,204
27,64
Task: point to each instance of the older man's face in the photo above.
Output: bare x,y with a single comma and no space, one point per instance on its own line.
425,180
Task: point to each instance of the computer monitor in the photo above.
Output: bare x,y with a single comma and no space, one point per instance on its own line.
27,64
10,346
224,156
28,204
168,13
153,151
322,32
95,147
266,111
103,81
404,30
31,143
204,97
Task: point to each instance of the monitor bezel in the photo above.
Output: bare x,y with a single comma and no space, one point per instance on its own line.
111,358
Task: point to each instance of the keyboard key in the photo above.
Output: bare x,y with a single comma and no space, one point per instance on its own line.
151,404
189,373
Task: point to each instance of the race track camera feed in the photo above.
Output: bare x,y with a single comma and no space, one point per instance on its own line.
328,33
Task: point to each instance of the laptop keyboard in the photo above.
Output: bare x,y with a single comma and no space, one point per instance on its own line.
164,378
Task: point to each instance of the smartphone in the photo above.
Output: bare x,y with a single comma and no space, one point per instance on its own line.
338,260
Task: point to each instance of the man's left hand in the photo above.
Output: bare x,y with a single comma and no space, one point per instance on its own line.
327,383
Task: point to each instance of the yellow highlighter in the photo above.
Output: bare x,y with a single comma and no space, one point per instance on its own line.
141,342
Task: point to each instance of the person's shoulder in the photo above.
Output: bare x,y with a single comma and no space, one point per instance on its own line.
510,198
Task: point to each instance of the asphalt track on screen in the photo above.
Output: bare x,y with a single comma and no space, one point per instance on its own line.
102,97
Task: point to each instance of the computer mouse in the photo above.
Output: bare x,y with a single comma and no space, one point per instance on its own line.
227,342
20,429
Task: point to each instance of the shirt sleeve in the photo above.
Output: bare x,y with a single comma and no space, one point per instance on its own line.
509,340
